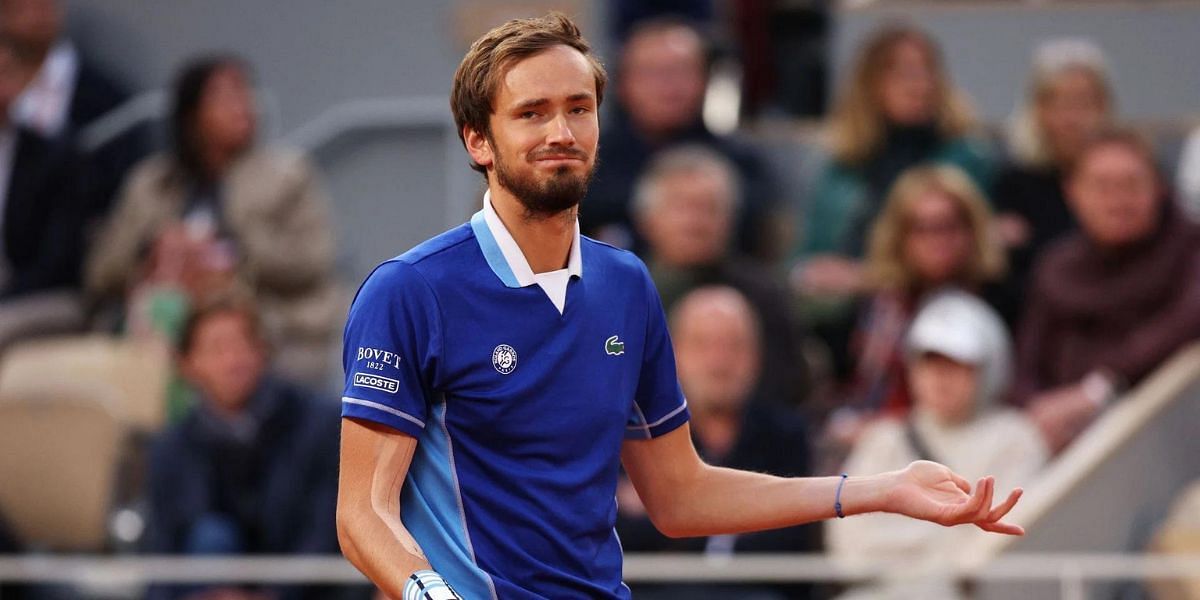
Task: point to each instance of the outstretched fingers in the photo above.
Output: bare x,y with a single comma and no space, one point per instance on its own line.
992,521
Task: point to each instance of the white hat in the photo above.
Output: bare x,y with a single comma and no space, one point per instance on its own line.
962,327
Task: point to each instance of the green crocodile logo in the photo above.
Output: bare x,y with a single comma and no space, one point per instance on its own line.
614,347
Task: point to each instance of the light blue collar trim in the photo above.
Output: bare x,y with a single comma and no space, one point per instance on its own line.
492,252
505,257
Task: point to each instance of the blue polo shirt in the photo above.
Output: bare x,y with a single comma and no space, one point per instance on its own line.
520,409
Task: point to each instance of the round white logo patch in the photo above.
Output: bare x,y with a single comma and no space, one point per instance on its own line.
504,358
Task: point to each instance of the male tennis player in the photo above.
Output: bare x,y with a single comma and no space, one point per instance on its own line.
498,374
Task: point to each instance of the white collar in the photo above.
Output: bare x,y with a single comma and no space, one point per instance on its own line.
46,100
512,253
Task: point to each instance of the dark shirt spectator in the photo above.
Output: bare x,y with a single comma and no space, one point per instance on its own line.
42,216
252,468
67,93
1110,303
1069,99
685,204
715,334
660,89
898,110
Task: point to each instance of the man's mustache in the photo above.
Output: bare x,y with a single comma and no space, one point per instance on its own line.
558,153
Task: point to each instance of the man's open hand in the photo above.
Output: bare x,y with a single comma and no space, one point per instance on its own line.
931,492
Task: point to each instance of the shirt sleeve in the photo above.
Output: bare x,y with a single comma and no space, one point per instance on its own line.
392,346
659,406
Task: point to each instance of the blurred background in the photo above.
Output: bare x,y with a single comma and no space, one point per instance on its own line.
883,230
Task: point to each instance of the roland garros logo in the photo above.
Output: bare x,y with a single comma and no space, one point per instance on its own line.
504,358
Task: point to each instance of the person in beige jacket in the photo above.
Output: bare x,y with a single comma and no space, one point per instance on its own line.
217,212
958,355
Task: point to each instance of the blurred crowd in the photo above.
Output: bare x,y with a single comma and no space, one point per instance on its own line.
939,290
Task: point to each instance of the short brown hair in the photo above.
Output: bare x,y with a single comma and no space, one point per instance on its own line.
474,92
234,302
1117,135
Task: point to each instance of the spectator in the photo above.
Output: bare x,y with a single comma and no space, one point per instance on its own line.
1068,100
934,233
66,93
253,467
898,110
660,88
958,357
685,204
716,338
1112,301
41,218
216,209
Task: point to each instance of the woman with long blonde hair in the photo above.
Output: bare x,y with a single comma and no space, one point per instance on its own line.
898,109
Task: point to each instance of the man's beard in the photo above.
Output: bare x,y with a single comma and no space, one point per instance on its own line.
562,191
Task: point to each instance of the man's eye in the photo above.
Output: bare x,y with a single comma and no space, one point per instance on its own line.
529,114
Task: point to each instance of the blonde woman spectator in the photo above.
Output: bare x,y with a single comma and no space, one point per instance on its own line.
1069,99
958,357
898,110
934,233
215,211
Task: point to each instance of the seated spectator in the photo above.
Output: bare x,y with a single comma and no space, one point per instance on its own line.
1068,100
716,338
1111,302
41,220
685,204
897,110
660,87
216,210
66,93
252,468
958,357
934,233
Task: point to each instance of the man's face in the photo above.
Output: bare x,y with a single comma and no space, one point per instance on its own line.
544,131
692,221
1115,196
717,354
33,24
226,360
663,79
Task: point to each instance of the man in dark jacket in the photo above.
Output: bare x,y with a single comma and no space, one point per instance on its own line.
252,468
661,82
716,334
685,205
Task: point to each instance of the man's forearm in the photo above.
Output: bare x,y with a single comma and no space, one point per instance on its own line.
720,501
384,551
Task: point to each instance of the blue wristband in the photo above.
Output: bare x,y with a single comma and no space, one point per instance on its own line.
837,499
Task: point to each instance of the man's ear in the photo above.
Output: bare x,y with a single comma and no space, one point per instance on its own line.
478,146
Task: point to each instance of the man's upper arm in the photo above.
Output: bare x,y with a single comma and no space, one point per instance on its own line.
374,463
660,468
392,347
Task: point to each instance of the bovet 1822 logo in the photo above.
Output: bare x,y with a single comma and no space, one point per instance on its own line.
383,384
504,358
